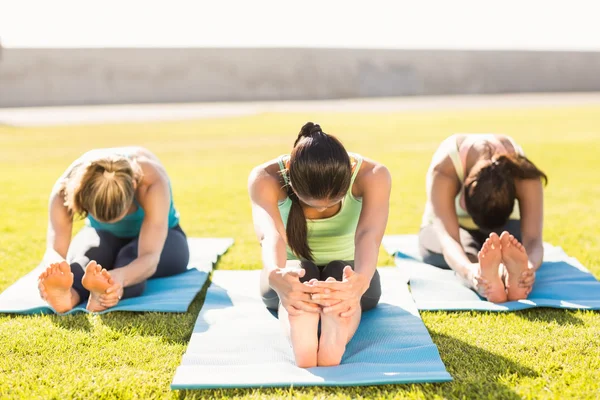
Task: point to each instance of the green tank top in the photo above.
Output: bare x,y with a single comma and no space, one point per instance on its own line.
329,238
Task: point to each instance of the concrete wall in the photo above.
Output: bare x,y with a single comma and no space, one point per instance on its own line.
42,77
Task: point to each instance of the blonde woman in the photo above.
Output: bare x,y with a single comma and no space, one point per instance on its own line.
132,230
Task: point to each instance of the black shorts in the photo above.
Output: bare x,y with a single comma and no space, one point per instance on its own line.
471,239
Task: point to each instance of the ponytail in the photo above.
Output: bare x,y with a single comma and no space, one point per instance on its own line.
519,167
319,169
104,188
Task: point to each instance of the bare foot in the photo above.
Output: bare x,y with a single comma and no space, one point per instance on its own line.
303,336
96,279
55,286
490,258
335,334
516,262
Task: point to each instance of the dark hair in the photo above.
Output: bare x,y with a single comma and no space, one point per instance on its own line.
490,197
319,168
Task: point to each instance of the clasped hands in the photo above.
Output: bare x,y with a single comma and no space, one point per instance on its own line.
342,297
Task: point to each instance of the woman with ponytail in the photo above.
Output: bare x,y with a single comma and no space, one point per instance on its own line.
131,234
320,214
484,214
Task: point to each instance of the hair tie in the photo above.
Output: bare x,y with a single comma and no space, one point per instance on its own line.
109,175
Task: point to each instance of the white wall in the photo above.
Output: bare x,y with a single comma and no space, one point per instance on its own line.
42,77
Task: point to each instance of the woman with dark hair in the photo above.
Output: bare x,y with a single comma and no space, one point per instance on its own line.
484,214
320,214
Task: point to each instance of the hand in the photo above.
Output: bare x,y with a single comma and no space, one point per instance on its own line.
348,291
527,279
480,284
113,294
294,295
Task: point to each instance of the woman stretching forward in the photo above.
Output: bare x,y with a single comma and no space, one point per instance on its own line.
132,230
484,215
320,214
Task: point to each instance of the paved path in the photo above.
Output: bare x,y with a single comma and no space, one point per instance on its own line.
175,112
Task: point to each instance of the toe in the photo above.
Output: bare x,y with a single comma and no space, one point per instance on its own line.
330,279
64,267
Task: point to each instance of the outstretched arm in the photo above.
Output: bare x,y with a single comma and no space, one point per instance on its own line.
531,203
294,295
372,222
60,225
443,191
155,200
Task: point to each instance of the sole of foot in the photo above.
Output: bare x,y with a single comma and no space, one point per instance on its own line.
490,258
516,261
57,281
96,279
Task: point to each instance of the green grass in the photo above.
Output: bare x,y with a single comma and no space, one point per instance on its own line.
530,354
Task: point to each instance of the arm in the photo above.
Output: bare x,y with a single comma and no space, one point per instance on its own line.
443,191
531,204
60,229
372,222
268,225
155,201
270,230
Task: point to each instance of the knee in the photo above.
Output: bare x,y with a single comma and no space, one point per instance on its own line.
334,269
368,303
271,300
135,290
311,271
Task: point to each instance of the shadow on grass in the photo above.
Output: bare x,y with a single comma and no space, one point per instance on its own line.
477,374
174,328
73,322
550,315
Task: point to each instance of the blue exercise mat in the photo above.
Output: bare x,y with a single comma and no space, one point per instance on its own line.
238,343
171,294
561,282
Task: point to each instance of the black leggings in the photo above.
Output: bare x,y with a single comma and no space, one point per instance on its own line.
471,239
113,252
335,270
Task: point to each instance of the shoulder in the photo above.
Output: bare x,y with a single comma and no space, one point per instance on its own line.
372,175
265,177
441,163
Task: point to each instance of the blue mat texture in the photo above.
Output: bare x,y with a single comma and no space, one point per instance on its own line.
171,294
561,282
238,343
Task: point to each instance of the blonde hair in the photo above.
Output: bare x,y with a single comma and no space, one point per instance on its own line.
103,188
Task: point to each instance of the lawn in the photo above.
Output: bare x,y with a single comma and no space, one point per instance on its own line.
541,353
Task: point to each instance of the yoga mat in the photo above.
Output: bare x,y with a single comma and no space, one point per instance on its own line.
171,294
238,343
561,282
